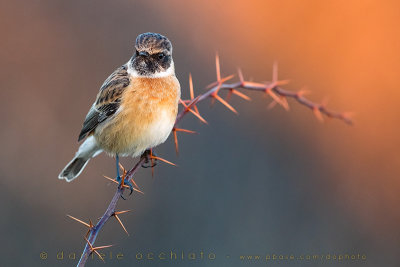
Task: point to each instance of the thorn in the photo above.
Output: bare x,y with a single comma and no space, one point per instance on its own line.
318,114
227,78
98,254
90,245
176,141
303,92
211,85
348,117
185,101
193,101
275,80
253,84
348,114
82,222
277,99
174,131
325,101
92,249
101,247
225,103
240,74
229,95
282,82
217,66
191,91
163,160
120,222
272,104
236,92
114,181
184,130
187,107
111,179
221,82
191,86
285,103
275,72
90,228
122,167
122,212
212,103
137,190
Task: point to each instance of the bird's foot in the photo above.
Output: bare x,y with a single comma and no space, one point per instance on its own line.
149,157
124,183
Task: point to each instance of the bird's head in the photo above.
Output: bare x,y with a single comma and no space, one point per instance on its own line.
152,57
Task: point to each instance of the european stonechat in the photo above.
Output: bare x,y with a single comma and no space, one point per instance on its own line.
135,109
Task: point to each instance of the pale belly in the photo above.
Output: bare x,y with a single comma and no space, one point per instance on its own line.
145,118
130,134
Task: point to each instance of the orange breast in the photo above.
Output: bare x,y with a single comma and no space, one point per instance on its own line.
145,118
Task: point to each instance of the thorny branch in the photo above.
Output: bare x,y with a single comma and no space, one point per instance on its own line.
93,231
273,89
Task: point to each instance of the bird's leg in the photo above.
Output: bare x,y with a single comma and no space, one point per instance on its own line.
149,162
117,166
119,178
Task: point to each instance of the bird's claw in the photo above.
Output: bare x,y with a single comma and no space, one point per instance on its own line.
146,164
125,182
128,183
149,162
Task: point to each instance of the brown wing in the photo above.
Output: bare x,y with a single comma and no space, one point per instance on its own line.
107,101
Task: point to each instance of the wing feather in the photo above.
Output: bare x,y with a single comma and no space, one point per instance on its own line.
107,101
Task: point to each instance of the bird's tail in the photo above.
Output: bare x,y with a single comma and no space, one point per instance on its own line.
89,149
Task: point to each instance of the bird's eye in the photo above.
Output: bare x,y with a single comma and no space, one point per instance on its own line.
137,53
161,56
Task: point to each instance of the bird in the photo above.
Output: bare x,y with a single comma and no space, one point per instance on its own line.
135,109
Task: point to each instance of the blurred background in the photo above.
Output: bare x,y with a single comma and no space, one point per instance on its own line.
261,183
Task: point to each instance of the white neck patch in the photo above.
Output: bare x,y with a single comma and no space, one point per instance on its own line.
170,71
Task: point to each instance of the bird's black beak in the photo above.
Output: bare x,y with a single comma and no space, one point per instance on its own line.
144,54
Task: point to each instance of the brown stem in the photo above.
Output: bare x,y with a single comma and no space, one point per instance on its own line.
107,215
